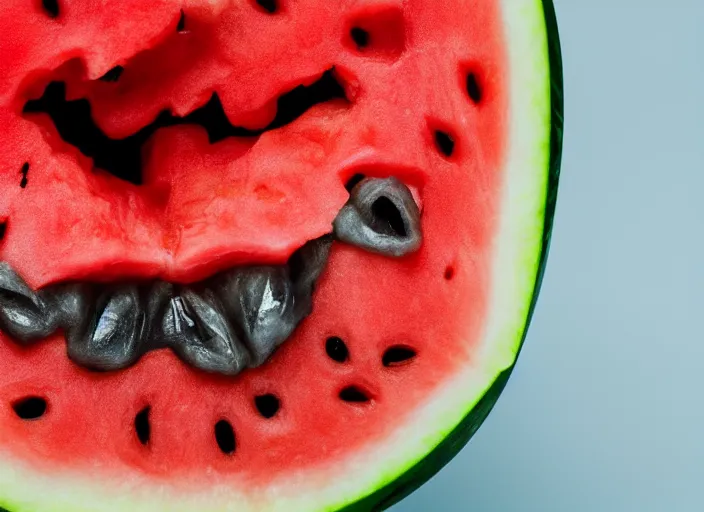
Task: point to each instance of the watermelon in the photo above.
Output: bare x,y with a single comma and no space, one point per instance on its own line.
264,255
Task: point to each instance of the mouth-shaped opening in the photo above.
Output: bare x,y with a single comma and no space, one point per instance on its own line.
223,324
233,318
228,322
123,157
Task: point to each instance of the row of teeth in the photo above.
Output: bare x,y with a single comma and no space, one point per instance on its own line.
225,324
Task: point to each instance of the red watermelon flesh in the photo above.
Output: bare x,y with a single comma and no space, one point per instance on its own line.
424,92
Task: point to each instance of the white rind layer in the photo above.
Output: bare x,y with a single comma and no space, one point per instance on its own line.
518,250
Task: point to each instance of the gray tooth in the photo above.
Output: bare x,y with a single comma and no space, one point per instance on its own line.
70,303
159,297
110,338
177,325
262,302
24,314
308,262
305,266
195,327
382,217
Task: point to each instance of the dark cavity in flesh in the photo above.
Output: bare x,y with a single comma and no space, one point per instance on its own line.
123,157
224,324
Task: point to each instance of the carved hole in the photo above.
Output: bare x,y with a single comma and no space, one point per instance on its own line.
112,75
123,157
360,37
384,210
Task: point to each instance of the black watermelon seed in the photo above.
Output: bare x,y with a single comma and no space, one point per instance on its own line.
360,37
225,437
397,356
3,229
267,405
51,7
23,172
353,394
336,349
30,407
181,22
268,5
449,273
473,90
142,426
445,143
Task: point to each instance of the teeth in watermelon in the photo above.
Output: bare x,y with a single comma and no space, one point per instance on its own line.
23,313
306,265
381,217
198,330
235,320
262,302
110,336
70,301
269,302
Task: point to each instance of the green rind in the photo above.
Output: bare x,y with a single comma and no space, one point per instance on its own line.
404,485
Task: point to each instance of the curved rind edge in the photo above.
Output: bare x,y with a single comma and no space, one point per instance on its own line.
428,467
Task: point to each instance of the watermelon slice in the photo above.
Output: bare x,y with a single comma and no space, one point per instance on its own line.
264,255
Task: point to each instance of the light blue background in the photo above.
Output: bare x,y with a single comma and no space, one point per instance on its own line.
604,412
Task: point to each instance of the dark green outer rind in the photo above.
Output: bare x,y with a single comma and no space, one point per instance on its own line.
394,492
